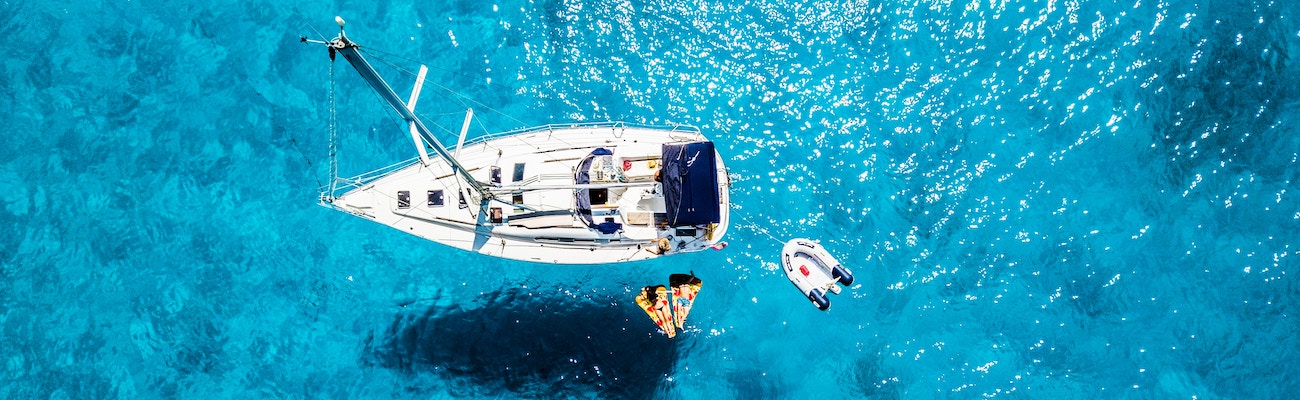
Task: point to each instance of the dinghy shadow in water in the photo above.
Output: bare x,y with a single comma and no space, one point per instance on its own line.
529,344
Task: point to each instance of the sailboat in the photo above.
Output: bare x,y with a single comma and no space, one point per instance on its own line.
591,193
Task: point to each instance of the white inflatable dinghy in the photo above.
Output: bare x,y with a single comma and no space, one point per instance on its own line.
814,271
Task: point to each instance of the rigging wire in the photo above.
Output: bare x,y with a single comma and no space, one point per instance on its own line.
313,29
383,58
407,72
756,228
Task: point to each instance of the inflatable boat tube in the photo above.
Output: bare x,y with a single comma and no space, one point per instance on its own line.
814,271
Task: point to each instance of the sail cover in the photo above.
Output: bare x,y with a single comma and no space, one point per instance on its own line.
691,184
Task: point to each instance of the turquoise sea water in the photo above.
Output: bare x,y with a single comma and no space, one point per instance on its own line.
1040,199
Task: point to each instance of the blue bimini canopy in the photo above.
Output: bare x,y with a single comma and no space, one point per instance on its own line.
691,184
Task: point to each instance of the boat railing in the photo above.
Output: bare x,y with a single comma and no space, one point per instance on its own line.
673,128
329,190
345,184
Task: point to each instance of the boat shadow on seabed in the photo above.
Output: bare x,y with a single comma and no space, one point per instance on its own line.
529,344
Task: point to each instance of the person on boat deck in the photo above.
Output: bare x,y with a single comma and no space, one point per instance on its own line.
659,181
661,246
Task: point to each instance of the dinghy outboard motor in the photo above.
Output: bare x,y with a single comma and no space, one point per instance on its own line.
814,271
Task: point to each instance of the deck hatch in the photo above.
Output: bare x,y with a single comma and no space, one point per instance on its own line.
435,198
404,199
519,172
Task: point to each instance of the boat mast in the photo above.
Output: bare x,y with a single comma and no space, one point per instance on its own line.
348,49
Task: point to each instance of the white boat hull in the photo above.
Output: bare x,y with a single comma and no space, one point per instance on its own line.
533,217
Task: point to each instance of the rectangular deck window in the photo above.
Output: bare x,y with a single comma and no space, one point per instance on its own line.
519,172
404,199
435,198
